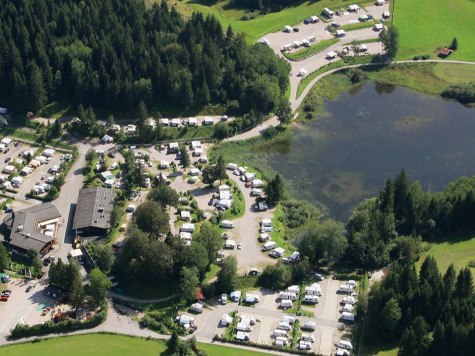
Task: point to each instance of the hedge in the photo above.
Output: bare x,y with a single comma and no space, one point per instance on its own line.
262,346
21,331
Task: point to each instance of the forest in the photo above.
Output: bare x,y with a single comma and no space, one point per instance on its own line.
425,314
113,54
390,227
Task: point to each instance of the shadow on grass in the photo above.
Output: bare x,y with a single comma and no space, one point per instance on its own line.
452,239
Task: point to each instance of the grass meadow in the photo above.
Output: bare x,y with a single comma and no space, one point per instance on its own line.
112,345
425,25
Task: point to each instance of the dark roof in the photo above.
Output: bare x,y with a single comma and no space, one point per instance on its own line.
94,208
24,225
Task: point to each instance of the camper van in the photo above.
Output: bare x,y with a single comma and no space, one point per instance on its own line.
281,341
311,299
294,257
269,245
345,288
227,224
347,316
196,308
328,13
277,252
286,304
284,326
345,344
243,327
280,333
266,222
230,244
288,296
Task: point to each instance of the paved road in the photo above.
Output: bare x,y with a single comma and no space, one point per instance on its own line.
247,231
256,131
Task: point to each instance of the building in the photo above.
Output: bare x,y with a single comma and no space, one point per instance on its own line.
93,212
33,229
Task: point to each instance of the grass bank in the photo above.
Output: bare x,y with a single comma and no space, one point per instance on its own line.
334,65
109,345
310,51
426,25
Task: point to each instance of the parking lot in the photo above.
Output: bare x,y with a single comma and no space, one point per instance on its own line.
23,307
41,175
329,330
279,39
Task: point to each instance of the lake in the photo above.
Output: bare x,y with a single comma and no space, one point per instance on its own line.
371,133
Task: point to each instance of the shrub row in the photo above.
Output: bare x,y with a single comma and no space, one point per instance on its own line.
21,331
262,346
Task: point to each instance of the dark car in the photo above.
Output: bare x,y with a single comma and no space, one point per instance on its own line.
307,21
335,24
8,159
111,154
29,288
296,29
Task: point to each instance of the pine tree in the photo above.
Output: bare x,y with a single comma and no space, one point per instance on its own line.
386,197
464,284
37,91
185,158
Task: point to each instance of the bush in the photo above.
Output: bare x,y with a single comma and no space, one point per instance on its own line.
464,93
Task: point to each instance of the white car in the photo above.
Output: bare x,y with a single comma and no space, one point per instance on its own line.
239,245
224,298
309,325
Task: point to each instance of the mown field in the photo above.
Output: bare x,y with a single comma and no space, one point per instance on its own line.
459,250
105,344
425,25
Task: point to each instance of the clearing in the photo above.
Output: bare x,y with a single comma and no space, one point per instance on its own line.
459,250
426,25
110,345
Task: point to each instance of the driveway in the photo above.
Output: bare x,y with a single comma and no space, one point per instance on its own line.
247,232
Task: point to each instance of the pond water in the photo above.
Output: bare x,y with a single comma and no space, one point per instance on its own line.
371,133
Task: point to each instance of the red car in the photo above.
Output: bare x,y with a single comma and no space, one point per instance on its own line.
4,298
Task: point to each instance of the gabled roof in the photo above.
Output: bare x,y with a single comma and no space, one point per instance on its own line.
24,225
94,208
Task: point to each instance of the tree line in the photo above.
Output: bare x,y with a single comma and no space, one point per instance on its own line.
391,226
426,314
112,54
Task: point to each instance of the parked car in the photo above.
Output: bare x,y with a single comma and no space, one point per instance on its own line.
239,245
224,298
29,288
319,277
254,272
296,29
8,159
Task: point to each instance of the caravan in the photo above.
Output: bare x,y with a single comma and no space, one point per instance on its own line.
227,224
269,245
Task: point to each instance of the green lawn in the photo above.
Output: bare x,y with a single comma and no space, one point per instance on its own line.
425,25
455,73
105,344
310,51
456,250
256,28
